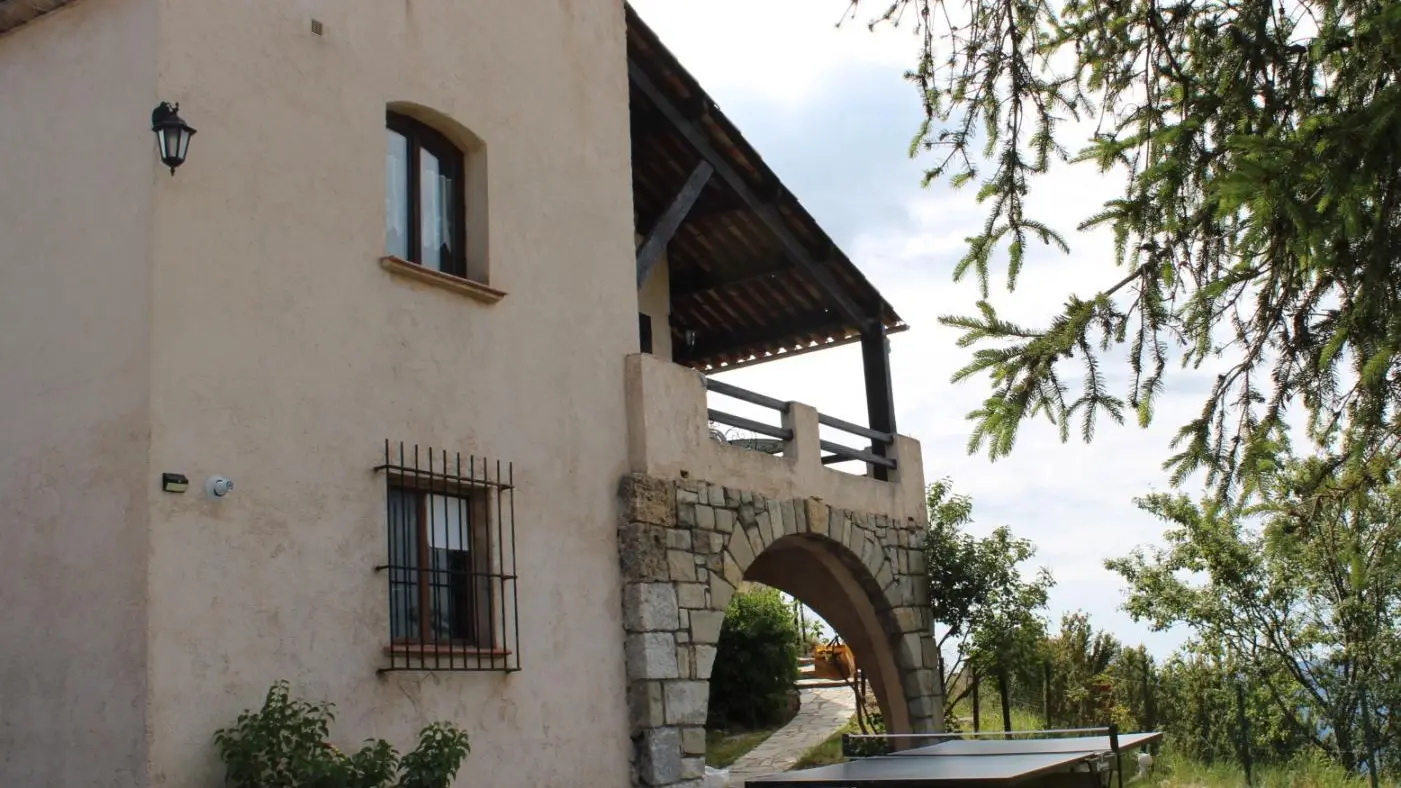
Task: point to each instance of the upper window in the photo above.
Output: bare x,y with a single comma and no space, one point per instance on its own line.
425,197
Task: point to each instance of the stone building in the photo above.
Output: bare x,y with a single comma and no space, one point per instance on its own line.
399,386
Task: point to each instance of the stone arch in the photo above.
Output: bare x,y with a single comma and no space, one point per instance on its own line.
824,575
685,546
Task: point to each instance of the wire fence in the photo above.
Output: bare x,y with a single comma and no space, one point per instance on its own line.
1208,717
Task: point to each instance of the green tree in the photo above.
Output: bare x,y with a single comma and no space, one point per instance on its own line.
1096,679
1134,685
1080,660
987,615
756,661
1259,143
1300,593
1196,705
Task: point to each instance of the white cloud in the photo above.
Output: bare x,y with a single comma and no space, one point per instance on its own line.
785,50
776,57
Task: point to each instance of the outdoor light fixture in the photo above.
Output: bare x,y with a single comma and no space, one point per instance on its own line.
172,134
175,482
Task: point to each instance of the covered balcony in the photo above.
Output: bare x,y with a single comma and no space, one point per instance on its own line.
732,272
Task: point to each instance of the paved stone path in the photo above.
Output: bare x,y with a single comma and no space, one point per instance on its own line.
824,711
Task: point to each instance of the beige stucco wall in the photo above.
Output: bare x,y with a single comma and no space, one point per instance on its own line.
284,354
654,299
76,90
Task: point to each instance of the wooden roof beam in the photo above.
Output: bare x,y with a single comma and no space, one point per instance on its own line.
880,394
748,273
699,140
660,235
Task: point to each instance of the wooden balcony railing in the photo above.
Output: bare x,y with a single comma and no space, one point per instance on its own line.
877,454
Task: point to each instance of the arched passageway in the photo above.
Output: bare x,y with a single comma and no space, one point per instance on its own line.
826,577
684,547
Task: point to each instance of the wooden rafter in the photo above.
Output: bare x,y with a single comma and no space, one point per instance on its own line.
660,235
760,205
752,274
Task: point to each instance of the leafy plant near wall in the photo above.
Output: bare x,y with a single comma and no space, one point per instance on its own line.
283,745
756,661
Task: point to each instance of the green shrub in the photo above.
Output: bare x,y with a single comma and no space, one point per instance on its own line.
756,662
283,745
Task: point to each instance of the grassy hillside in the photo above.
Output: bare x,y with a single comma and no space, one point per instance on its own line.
1174,772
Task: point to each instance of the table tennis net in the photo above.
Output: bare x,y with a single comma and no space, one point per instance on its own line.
999,743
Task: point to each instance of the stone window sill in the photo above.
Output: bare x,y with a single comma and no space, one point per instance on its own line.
474,290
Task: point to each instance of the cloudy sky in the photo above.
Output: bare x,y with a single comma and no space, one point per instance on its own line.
829,111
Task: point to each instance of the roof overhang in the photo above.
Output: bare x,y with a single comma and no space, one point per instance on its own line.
14,13
753,275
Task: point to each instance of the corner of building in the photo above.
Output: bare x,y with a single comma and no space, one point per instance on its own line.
76,218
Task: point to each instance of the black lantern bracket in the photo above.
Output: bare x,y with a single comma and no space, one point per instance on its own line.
172,134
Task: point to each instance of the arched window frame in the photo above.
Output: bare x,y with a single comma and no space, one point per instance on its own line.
421,137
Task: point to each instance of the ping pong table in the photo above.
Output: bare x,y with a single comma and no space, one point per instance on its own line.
1071,762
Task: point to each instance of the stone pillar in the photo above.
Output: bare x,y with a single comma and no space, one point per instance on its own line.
666,699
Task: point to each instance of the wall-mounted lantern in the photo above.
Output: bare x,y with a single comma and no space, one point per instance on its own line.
172,134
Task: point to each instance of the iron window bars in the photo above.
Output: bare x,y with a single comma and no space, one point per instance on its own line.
451,561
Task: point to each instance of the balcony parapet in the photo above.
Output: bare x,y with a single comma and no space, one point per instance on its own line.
669,436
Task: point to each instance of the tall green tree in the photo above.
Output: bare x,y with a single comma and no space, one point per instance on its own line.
987,613
1301,593
1080,658
1259,143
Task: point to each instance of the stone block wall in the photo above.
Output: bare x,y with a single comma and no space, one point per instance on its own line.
684,546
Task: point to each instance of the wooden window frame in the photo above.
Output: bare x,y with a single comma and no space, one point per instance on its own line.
418,137
482,625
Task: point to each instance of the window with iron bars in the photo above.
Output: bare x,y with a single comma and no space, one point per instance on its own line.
451,568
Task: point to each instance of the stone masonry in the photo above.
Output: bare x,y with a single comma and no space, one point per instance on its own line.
684,546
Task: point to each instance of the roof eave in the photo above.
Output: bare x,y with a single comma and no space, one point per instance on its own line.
743,156
850,338
14,13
